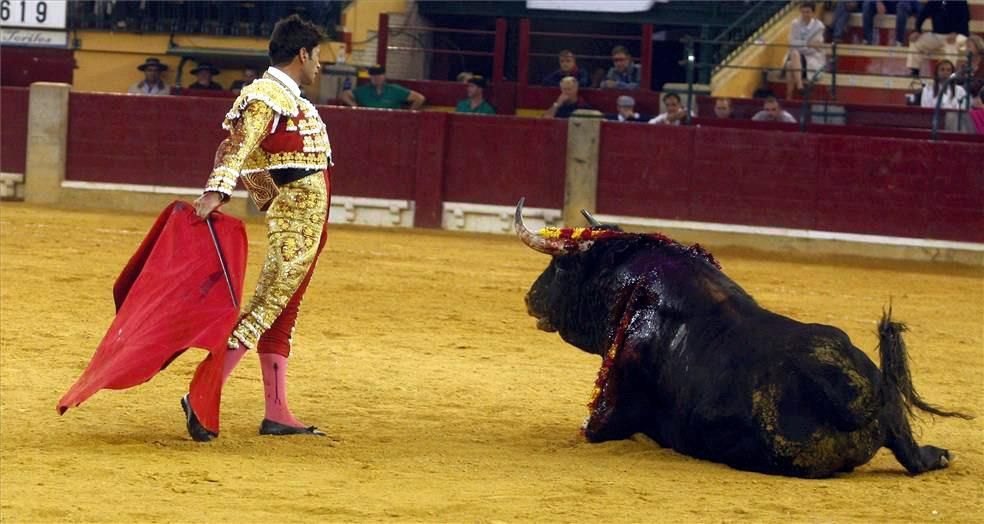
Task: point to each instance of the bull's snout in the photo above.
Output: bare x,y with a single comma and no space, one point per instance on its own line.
542,323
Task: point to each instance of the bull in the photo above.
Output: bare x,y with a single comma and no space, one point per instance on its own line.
692,361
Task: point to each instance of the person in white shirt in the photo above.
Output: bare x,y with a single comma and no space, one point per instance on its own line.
953,97
772,112
675,113
152,84
806,55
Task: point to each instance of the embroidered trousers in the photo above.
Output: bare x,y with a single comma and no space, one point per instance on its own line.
297,223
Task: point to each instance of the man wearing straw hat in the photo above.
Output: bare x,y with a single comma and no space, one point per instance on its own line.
152,84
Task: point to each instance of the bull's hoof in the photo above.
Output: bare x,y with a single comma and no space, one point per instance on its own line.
935,458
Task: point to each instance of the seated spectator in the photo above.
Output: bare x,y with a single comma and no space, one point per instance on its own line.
568,67
475,103
624,74
975,48
598,76
381,94
203,77
977,113
805,56
722,108
152,84
249,74
675,113
464,76
903,9
626,111
568,101
953,97
841,20
951,25
772,112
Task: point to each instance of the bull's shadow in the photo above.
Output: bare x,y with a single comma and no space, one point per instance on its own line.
692,361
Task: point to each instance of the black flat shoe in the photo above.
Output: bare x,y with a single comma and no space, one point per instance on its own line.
269,427
195,428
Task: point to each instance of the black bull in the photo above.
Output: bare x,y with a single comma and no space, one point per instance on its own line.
692,361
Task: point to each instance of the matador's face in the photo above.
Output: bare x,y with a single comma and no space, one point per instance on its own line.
311,67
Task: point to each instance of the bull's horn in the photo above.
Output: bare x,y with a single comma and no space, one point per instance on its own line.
592,221
531,239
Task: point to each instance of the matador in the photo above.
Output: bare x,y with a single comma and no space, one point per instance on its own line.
278,148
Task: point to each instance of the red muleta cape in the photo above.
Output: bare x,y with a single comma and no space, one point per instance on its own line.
172,295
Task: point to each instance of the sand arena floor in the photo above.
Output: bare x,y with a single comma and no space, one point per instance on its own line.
443,401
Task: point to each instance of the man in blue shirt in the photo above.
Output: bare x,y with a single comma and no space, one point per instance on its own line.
624,74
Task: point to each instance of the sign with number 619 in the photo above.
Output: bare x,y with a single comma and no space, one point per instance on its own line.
35,14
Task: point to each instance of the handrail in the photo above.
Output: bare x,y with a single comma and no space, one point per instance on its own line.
807,91
954,77
741,20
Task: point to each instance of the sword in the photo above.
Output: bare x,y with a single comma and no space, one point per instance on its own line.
218,251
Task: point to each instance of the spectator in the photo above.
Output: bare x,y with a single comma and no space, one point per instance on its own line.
464,76
722,108
626,111
203,77
598,76
953,97
772,112
841,19
869,8
951,25
152,84
624,74
806,54
380,94
975,48
249,74
977,113
675,113
568,101
475,103
568,67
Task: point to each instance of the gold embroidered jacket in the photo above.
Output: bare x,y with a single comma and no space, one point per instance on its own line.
269,128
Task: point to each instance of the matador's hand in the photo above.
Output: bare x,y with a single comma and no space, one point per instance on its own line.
208,202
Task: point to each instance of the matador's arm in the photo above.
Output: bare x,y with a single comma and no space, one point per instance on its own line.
245,135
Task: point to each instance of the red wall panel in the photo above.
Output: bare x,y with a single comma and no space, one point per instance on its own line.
644,170
497,160
763,178
22,66
132,139
375,151
13,129
879,186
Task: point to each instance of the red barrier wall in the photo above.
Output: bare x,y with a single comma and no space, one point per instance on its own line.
22,66
168,141
766,176
497,160
13,129
880,186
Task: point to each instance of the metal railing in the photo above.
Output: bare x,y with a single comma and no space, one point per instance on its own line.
497,55
831,67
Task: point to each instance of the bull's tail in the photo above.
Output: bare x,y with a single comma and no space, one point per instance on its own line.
900,400
897,385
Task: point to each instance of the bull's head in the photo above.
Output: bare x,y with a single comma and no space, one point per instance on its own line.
590,273
565,297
